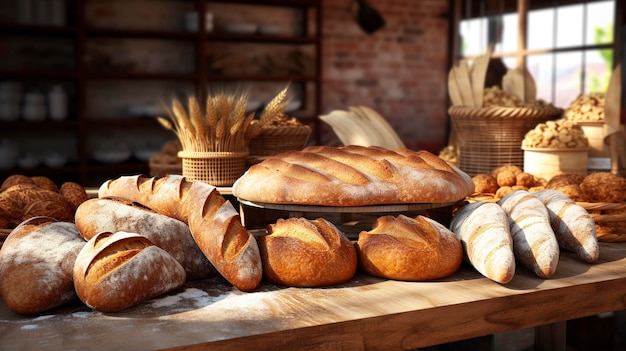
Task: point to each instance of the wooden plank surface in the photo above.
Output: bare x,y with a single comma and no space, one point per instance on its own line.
365,313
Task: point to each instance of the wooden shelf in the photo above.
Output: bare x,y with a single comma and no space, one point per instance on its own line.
83,76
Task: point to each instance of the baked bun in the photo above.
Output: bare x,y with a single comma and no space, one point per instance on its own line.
404,248
306,253
115,271
353,176
36,263
122,215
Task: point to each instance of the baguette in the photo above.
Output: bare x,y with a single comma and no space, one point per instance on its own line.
573,226
306,253
36,263
114,271
115,214
404,248
484,231
534,241
214,223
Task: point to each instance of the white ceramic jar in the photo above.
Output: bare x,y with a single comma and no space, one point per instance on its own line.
57,103
34,107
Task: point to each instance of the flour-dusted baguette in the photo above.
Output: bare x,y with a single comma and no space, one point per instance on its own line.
534,241
116,214
353,176
214,223
574,227
36,263
306,253
405,248
484,230
114,271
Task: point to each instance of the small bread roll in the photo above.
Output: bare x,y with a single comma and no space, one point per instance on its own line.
403,248
114,271
36,263
306,253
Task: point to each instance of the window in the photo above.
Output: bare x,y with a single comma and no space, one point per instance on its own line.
567,46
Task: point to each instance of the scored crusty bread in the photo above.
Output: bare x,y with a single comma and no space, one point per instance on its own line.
484,230
404,248
306,253
534,241
114,271
116,214
353,176
573,226
214,223
36,263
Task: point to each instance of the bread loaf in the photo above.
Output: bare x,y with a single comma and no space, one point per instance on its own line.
121,215
405,248
114,271
484,231
574,228
214,223
353,176
36,263
534,242
306,253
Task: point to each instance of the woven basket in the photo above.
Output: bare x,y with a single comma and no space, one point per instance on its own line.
610,220
275,140
491,137
163,169
215,168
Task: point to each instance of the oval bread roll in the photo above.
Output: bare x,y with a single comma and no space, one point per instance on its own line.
307,253
404,248
574,228
114,271
122,215
534,241
484,231
36,265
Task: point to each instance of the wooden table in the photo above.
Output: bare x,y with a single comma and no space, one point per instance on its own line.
365,313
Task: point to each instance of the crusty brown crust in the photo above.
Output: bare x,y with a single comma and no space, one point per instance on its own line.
353,176
214,223
405,248
36,263
115,271
307,253
117,214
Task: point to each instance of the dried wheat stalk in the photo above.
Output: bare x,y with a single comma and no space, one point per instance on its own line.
223,126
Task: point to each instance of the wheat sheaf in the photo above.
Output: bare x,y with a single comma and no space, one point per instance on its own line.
222,124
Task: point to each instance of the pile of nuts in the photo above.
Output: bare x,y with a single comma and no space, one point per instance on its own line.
557,134
496,97
586,108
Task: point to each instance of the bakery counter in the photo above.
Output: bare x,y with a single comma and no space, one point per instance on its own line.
364,313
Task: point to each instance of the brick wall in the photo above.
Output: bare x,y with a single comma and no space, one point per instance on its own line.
399,71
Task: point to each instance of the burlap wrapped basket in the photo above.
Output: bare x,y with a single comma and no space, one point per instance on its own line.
489,137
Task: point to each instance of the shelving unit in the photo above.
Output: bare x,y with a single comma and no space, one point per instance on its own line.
91,84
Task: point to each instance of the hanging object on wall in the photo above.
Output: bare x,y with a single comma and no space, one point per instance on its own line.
368,18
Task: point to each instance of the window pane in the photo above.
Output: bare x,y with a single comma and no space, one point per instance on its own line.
540,29
541,68
509,34
473,37
569,26
598,65
568,77
600,22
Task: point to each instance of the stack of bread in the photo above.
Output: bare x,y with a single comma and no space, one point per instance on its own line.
143,237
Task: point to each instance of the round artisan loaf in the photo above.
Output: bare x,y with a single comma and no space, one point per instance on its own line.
114,271
306,253
353,176
36,264
404,248
116,214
